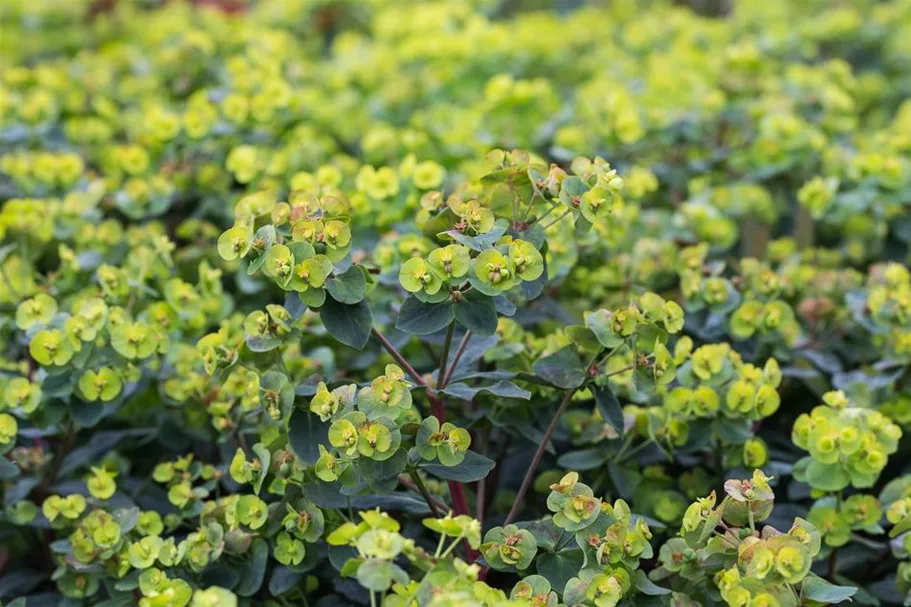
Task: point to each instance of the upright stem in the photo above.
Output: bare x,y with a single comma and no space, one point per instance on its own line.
444,357
558,219
804,228
401,360
529,475
438,409
455,360
422,489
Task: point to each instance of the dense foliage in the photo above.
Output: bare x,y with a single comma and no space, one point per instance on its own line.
455,303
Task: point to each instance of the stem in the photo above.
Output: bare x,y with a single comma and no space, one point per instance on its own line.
481,490
372,599
804,228
422,489
9,283
750,515
444,357
526,482
401,360
439,549
633,451
451,546
455,360
833,565
558,219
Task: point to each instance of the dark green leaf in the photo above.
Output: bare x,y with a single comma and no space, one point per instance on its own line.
350,324
560,567
265,458
626,478
348,288
503,389
255,570
817,589
480,242
283,580
473,468
8,470
563,369
418,318
583,459
646,586
609,407
477,312
305,433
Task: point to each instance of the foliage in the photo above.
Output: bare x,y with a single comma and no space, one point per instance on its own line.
455,303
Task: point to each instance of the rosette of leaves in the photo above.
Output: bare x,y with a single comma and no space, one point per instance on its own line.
509,548
446,443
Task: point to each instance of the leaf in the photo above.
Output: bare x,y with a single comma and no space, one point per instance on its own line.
480,242
8,470
817,589
646,586
350,324
283,580
828,477
582,459
305,433
473,468
560,567
504,306
265,458
86,415
547,535
503,389
349,287
563,369
477,312
901,526
101,443
626,478
220,574
418,318
255,571
294,305
609,407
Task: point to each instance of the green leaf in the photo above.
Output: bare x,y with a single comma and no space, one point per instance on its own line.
87,415
817,589
581,459
8,470
283,580
350,324
503,389
901,526
265,458
609,407
378,575
255,571
546,534
560,567
626,478
481,241
305,434
646,586
473,468
563,369
349,287
477,312
418,318
828,477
